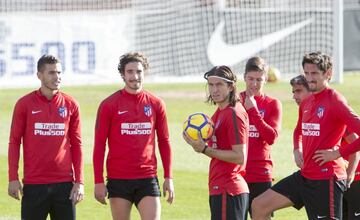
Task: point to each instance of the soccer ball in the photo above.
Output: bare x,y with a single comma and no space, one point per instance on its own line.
199,122
273,74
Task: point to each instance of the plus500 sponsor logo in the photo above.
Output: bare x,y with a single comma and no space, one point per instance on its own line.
80,58
310,129
142,128
253,132
49,129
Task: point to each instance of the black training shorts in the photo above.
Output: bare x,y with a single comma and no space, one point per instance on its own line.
133,189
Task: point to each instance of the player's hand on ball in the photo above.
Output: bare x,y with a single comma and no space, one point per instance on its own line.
197,145
14,189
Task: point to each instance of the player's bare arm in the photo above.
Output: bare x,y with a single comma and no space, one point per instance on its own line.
298,157
15,189
168,190
236,155
353,160
77,193
100,193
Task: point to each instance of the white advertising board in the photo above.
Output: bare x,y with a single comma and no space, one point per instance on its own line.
88,43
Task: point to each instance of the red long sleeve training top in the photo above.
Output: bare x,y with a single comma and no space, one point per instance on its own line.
128,123
265,124
323,118
50,132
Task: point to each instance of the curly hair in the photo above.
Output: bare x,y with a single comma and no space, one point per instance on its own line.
321,60
132,57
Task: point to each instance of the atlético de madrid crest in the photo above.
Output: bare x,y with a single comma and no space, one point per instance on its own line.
320,112
62,112
147,110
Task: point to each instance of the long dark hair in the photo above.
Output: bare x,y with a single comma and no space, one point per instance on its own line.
230,77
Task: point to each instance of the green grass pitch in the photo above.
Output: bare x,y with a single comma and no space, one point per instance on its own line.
190,169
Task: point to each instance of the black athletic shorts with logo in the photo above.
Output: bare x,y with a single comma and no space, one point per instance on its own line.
227,207
133,189
256,189
351,202
322,198
39,200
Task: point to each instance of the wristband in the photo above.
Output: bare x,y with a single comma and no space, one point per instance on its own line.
203,151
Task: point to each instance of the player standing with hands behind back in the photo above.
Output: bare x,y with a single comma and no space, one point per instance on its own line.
265,121
229,193
128,120
47,123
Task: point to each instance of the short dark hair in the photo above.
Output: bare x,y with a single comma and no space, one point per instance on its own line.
300,80
229,76
46,59
132,57
321,60
256,64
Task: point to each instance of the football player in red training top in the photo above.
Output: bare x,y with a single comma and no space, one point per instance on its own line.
323,118
128,121
351,200
265,121
229,193
47,123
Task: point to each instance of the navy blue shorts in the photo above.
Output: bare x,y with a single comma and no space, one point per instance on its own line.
134,189
322,198
225,206
39,200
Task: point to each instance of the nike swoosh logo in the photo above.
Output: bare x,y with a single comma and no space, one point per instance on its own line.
321,216
357,213
221,53
121,112
35,112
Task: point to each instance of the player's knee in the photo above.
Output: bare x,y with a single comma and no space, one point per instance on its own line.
259,208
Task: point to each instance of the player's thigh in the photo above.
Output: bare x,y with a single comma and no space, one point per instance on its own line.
225,206
35,203
237,206
352,199
323,198
215,202
149,208
61,206
258,188
270,201
120,208
285,193
146,187
147,198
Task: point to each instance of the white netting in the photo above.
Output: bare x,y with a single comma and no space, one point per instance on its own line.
176,34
